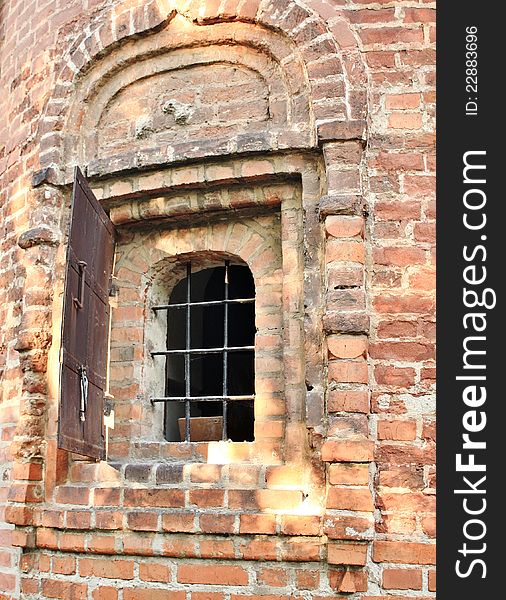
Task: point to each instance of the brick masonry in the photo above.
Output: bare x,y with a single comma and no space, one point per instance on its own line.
297,137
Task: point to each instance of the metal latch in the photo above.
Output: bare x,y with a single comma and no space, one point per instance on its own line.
84,393
78,302
108,408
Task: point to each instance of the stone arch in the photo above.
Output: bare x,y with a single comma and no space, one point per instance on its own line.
320,54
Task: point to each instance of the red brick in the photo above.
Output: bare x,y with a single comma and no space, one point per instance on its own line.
273,577
154,498
345,527
402,579
213,523
106,497
202,473
307,580
207,498
401,256
348,474
105,593
350,499
212,574
72,542
344,227
391,35
347,553
265,499
405,120
419,15
346,346
257,524
394,376
217,548
102,544
343,371
397,430
110,569
391,161
419,185
64,565
402,101
142,521
27,585
154,572
260,548
407,303
108,519
349,451
152,594
345,251
432,581
176,522
27,471
348,582
404,552
300,525
384,15
348,401
398,210
429,526
300,549
64,590
72,495
78,519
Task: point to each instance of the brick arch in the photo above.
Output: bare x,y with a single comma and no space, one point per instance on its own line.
145,276
324,53
228,239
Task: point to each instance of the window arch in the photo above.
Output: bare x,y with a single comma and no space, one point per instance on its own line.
209,354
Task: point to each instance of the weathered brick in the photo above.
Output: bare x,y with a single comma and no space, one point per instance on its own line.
349,451
402,579
404,552
213,575
342,553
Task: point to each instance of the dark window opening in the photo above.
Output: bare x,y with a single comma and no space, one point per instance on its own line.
209,369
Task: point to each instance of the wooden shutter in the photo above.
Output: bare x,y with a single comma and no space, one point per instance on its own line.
85,325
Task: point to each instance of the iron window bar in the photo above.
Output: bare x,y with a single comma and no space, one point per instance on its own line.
187,352
201,398
187,406
203,303
203,350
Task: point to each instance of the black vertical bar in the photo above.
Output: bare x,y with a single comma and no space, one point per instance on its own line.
167,387
470,325
187,373
225,353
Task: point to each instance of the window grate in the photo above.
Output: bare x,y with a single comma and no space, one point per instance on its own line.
188,352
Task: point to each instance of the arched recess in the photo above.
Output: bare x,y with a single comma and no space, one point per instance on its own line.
309,65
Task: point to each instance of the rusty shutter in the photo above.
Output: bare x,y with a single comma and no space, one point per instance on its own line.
83,357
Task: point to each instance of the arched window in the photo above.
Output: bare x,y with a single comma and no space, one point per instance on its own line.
209,355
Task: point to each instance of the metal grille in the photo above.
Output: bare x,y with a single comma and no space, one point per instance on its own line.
188,352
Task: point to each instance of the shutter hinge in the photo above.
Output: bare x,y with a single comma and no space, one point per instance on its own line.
107,408
108,404
113,288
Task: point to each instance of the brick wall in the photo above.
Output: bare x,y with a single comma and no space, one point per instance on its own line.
317,114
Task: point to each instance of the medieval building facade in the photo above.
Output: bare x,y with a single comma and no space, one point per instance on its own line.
217,302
